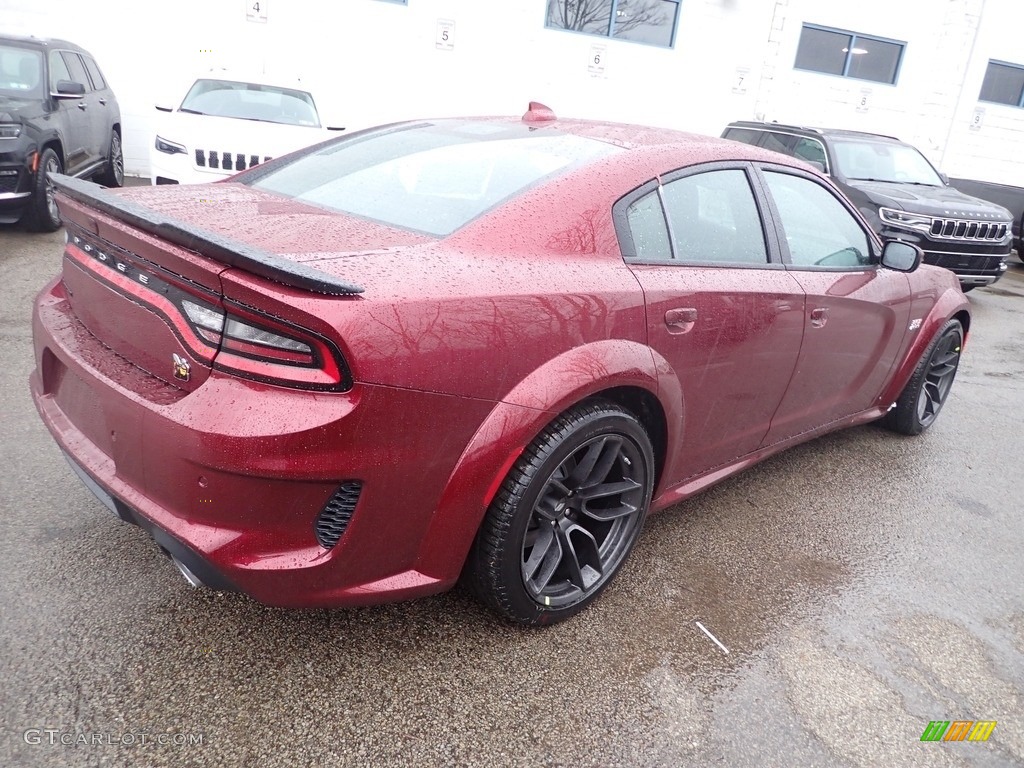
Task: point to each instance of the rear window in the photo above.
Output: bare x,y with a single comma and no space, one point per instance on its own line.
430,177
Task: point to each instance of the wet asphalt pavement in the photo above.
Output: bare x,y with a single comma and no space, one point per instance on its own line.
864,584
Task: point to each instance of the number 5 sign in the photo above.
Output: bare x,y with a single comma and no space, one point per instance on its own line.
256,10
445,35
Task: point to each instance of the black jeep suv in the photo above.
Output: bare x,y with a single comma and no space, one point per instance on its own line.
57,115
901,195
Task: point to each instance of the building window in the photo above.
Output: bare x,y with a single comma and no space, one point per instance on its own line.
641,21
848,54
1004,84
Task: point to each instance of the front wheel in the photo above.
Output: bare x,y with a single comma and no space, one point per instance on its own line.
921,400
566,516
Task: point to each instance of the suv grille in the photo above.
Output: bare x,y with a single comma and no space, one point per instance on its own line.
336,514
228,161
961,229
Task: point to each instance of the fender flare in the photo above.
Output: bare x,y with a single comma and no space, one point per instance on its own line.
952,302
516,420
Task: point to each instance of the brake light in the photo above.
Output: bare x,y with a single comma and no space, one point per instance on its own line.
258,346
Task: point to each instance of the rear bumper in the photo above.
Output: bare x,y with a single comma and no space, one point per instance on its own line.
231,477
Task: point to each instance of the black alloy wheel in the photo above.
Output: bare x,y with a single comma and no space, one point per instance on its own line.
42,214
926,392
113,171
566,517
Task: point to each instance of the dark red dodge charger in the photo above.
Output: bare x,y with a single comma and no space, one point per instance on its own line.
482,348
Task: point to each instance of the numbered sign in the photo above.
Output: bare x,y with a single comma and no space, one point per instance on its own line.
739,83
445,35
597,61
864,100
256,10
978,119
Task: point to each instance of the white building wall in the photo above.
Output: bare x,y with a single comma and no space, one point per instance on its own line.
994,150
377,61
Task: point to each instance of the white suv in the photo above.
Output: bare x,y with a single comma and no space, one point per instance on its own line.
227,123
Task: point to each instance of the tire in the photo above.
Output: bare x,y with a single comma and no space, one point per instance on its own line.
967,288
548,546
41,214
921,400
113,173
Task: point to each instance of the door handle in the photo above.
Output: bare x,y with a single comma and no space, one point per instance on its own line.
103,102
680,320
819,317
81,106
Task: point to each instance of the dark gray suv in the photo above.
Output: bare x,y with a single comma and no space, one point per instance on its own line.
57,115
901,194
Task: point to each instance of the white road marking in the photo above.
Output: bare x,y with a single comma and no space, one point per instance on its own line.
704,629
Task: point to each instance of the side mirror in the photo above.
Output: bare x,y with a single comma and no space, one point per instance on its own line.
66,89
901,256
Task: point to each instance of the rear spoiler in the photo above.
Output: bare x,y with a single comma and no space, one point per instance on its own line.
217,247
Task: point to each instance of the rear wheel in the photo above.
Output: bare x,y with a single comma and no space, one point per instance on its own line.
113,172
967,288
42,214
566,516
926,392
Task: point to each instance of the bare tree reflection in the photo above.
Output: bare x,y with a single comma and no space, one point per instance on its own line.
595,15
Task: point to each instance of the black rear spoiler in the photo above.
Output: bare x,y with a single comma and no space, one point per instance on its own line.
217,247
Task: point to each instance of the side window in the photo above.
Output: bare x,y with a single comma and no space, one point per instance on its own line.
58,70
94,73
714,219
76,69
779,142
648,228
819,230
812,151
746,135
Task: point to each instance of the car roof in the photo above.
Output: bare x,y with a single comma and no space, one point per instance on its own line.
42,42
649,152
811,131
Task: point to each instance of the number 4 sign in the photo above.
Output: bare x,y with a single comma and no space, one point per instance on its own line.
256,10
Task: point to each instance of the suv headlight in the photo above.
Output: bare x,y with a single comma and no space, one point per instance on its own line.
10,130
169,147
907,220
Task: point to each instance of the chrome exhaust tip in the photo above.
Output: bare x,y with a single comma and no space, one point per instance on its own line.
190,577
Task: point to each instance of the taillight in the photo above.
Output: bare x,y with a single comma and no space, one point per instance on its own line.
257,346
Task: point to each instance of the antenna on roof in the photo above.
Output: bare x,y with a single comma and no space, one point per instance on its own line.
539,113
